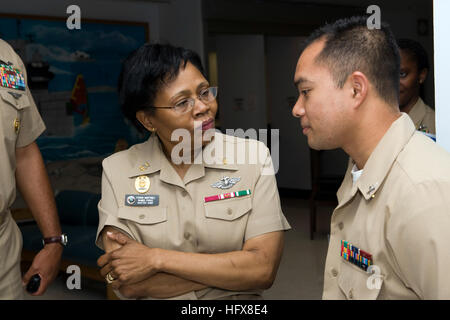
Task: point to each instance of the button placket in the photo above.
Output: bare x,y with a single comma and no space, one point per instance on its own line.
350,294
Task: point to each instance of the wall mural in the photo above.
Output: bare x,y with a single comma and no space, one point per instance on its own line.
72,75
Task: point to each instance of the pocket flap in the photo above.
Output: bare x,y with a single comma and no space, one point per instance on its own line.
228,209
143,215
21,102
358,284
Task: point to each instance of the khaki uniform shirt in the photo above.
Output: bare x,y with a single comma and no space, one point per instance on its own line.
399,212
182,220
20,125
423,117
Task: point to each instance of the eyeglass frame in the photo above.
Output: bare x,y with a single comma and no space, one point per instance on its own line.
192,101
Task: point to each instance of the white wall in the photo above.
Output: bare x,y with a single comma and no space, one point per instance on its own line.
442,70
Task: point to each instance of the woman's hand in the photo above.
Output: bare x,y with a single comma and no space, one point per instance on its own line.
131,263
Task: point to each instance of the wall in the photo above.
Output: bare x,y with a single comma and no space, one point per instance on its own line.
442,69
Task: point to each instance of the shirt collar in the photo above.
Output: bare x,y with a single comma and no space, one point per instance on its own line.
148,158
418,112
384,156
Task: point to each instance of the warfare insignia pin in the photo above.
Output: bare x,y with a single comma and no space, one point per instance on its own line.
226,183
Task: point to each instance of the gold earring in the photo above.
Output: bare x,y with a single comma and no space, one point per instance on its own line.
152,129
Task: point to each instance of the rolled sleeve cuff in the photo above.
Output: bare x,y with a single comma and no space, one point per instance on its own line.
24,141
107,219
266,225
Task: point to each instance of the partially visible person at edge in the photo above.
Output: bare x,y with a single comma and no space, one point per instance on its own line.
413,73
389,234
185,229
21,165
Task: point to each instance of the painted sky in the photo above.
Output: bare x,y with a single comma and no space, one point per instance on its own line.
96,52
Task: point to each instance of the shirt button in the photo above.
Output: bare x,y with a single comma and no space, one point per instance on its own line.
187,235
334,272
230,211
184,193
142,216
350,294
341,225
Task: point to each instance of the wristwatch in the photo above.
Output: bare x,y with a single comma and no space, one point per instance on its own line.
58,239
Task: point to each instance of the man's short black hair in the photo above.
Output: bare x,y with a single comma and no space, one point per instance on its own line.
351,46
145,71
417,52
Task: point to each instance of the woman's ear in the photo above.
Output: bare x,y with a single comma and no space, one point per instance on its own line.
146,120
360,86
423,76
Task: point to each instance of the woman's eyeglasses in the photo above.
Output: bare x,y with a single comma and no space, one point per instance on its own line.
186,105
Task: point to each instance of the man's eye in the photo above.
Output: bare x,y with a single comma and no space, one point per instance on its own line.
304,92
403,74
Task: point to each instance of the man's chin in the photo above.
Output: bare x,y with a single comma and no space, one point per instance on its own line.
319,146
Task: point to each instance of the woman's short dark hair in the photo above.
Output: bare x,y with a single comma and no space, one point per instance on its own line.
145,71
417,52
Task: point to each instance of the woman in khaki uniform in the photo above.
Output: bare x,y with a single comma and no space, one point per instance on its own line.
413,73
199,219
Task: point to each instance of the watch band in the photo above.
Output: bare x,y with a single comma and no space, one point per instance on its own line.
62,239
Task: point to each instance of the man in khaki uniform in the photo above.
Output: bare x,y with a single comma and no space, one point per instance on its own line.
21,163
183,216
390,231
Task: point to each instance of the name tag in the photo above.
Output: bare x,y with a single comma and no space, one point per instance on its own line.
141,200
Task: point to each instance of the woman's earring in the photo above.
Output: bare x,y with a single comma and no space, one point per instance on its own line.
152,129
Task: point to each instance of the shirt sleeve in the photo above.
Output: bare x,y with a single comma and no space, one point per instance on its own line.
108,209
32,125
266,215
419,234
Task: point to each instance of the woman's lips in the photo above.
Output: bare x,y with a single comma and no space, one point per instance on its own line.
208,124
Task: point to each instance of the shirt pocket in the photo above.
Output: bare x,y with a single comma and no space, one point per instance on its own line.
226,223
148,225
357,284
228,209
10,110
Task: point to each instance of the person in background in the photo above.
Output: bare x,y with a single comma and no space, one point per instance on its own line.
21,163
413,73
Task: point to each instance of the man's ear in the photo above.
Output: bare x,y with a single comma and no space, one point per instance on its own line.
146,120
359,86
423,76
